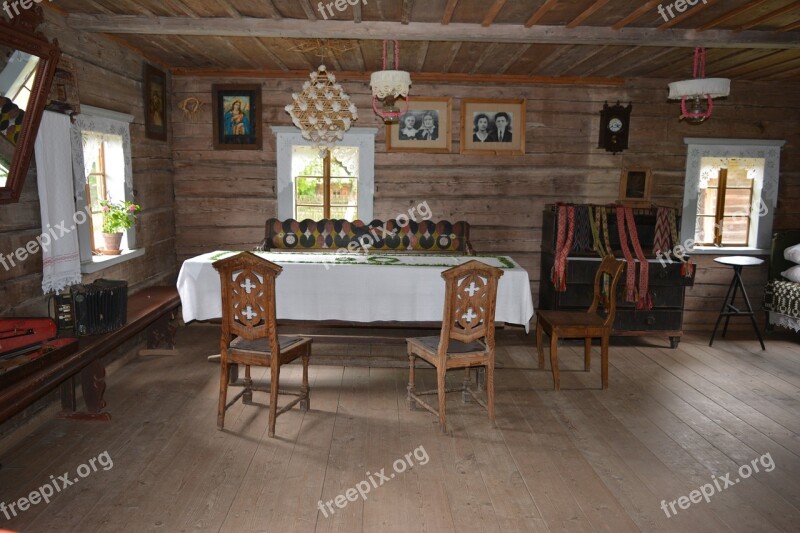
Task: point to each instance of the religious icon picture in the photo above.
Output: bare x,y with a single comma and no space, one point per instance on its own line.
236,111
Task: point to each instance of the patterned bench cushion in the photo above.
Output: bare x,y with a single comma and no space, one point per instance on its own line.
782,297
333,234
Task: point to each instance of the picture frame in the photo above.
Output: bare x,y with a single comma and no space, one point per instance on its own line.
635,186
438,111
236,113
479,136
155,103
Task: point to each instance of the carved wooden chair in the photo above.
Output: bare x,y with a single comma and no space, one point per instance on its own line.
466,339
587,324
249,334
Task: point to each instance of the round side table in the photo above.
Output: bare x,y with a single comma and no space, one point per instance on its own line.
737,262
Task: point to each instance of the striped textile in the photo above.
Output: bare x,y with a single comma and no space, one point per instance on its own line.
565,233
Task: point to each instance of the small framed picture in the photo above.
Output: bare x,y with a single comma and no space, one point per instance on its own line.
155,103
236,112
495,127
635,186
425,127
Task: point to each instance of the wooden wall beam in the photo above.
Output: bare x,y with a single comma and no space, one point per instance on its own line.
425,31
422,77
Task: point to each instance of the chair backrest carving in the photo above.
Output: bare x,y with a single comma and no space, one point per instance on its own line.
470,300
248,297
605,288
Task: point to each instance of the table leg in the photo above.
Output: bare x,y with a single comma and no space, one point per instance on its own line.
752,316
737,282
722,311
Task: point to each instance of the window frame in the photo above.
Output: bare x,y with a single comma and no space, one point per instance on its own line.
102,121
361,138
697,149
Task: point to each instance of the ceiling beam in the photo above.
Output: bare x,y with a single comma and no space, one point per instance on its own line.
541,12
425,31
448,11
588,12
408,6
357,13
422,77
789,27
492,13
308,10
636,14
232,11
768,16
686,14
730,14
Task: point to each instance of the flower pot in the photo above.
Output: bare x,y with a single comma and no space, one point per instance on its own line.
112,243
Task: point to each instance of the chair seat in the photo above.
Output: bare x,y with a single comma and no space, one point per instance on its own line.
261,345
578,323
454,347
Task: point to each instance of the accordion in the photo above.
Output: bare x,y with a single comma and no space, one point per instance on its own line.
100,307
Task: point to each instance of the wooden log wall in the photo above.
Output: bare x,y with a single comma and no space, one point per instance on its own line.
223,197
110,77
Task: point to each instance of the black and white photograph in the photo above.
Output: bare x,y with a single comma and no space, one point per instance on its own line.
493,126
424,127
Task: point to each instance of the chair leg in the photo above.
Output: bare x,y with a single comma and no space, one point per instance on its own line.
587,354
273,395
554,360
490,391
247,397
539,346
440,383
604,360
223,395
305,403
412,403
465,396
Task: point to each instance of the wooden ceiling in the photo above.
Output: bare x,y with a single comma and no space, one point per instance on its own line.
573,40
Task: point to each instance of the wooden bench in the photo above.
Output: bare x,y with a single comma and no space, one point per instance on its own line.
151,309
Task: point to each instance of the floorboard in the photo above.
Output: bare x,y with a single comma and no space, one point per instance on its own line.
579,459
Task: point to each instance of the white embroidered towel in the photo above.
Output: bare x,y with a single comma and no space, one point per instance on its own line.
60,257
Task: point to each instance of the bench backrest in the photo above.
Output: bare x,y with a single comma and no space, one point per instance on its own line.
378,235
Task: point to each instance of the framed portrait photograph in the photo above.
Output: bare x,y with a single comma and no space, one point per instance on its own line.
236,112
635,186
425,127
491,126
155,103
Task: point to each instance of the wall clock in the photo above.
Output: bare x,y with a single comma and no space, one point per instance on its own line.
614,127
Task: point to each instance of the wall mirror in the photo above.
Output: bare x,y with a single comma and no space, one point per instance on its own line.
27,63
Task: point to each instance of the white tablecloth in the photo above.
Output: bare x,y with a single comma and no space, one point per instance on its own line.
351,287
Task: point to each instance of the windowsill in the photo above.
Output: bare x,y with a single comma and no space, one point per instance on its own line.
101,262
727,250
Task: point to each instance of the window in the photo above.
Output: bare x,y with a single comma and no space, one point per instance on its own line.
730,194
101,167
725,208
325,187
339,186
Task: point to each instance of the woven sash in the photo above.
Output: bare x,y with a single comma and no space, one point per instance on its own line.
661,237
582,241
643,301
687,268
566,230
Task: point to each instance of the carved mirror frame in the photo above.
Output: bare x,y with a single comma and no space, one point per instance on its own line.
21,34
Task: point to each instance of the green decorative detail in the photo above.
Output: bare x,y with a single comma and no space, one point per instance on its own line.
373,259
382,260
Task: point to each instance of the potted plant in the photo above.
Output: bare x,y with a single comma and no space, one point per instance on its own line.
117,217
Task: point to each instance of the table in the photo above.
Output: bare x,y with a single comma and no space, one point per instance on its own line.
357,287
728,308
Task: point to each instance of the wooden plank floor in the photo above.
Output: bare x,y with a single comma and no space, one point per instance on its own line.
581,459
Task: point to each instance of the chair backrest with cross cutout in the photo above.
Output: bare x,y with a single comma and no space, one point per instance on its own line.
605,288
248,297
470,300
